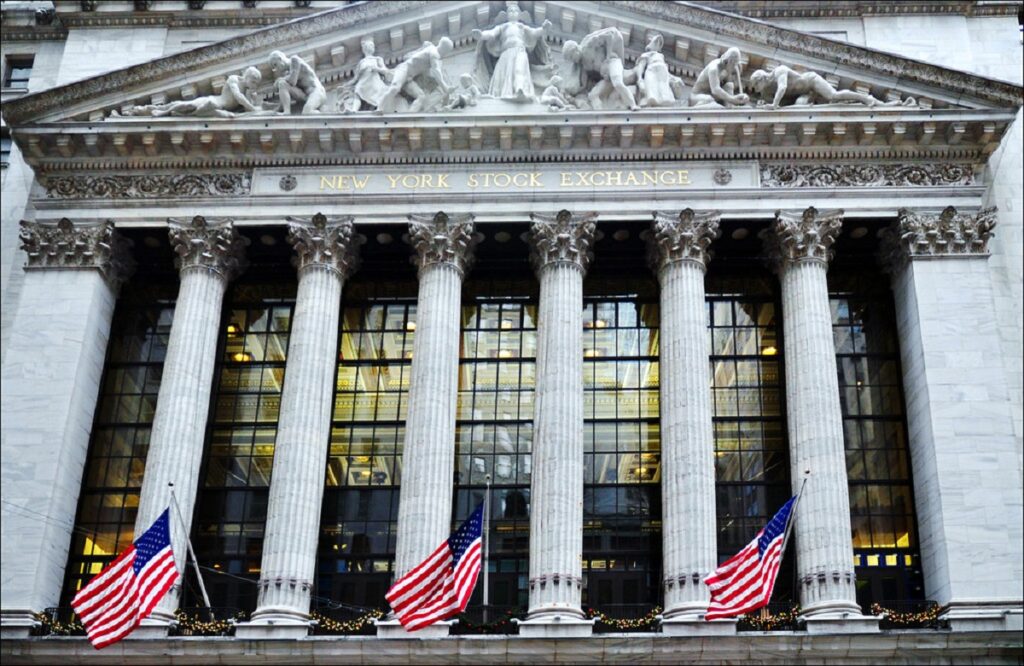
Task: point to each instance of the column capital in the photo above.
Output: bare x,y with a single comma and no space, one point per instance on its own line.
929,234
211,245
330,243
686,236
66,245
798,237
443,239
562,238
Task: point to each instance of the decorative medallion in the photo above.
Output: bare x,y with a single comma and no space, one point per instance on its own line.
722,176
288,183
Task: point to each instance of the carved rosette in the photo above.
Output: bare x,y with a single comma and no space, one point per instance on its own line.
209,245
330,243
949,233
806,236
683,237
443,239
67,245
562,239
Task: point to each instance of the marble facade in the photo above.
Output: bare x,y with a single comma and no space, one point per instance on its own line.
449,117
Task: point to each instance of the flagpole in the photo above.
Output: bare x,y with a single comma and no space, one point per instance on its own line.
487,543
792,514
188,544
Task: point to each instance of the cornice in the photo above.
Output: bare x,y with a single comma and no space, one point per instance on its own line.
858,8
824,134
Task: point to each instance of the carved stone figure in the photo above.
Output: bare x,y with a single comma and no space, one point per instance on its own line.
369,82
511,55
295,79
598,61
233,100
655,85
786,87
553,97
465,95
421,78
719,83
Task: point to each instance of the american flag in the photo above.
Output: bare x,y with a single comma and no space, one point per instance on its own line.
440,586
127,591
745,581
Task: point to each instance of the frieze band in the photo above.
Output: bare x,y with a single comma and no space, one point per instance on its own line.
866,175
148,186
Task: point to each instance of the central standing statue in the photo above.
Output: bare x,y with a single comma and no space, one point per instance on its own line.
520,52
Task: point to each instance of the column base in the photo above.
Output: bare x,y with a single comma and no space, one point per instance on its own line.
978,617
690,625
152,629
551,625
841,624
393,629
273,628
19,623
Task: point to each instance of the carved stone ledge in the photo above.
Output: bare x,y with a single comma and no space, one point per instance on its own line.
562,238
325,242
807,236
66,245
949,233
211,245
148,186
866,175
443,239
683,237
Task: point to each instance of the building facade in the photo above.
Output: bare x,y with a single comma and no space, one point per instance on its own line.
321,276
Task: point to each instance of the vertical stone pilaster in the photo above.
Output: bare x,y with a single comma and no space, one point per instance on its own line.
327,254
444,254
561,254
51,380
800,247
679,253
959,416
209,256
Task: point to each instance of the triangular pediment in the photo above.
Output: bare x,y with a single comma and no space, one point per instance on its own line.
920,101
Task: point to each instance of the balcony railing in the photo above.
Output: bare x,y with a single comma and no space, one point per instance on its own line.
617,618
492,619
776,616
207,621
922,614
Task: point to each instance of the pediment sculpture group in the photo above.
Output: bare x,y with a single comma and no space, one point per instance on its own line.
513,63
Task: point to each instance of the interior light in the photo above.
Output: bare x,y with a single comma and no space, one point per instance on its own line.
408,354
589,353
232,329
600,323
504,353
769,351
410,326
241,357
506,324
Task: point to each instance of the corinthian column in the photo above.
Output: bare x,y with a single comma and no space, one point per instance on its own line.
679,251
51,378
444,251
561,254
210,254
957,406
326,252
800,247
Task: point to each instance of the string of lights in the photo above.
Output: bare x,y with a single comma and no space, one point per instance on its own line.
328,625
765,621
926,618
648,621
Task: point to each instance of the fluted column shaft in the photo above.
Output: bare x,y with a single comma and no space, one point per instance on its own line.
822,524
560,255
428,459
689,532
209,258
300,454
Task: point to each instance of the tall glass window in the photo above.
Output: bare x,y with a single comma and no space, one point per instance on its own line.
231,508
364,467
751,455
883,522
622,451
116,460
497,373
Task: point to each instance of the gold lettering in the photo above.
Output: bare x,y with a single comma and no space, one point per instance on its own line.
535,179
410,182
565,179
520,179
360,184
471,181
665,178
649,178
684,177
631,179
327,183
442,180
502,180
393,180
615,178
602,175
583,179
